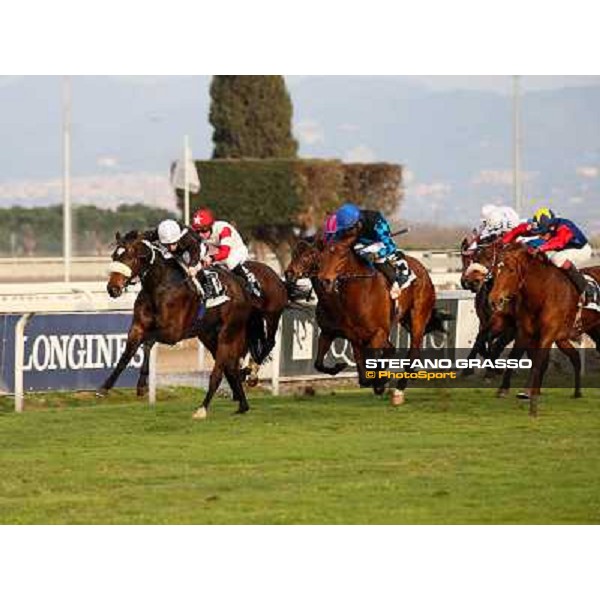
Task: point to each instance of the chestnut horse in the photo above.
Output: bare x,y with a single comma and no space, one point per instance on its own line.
545,306
359,297
168,309
497,330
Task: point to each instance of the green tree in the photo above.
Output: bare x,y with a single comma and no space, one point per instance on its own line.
252,117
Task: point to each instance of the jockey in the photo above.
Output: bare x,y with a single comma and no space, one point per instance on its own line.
185,246
497,220
230,248
375,244
565,245
330,228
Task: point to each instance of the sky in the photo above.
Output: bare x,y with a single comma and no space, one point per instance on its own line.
126,130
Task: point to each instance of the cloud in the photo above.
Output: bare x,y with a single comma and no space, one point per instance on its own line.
106,191
349,127
107,161
435,190
588,172
360,154
502,177
309,132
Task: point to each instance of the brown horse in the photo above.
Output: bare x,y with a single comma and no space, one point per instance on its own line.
476,264
168,309
359,296
545,305
497,330
305,264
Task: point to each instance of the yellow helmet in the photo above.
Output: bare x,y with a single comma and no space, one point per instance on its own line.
543,212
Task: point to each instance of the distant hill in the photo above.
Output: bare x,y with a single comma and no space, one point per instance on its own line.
455,144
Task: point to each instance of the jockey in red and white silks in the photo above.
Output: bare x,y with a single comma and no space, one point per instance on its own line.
230,249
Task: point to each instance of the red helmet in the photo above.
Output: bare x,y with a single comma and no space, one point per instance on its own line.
203,219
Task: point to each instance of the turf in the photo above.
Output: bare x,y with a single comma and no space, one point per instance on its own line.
458,456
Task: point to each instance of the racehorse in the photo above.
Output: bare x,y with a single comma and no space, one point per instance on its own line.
475,277
358,296
497,330
169,309
545,306
305,264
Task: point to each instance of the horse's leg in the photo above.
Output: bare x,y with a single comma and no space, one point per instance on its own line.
418,323
324,343
516,353
134,339
229,350
142,384
357,350
479,349
540,363
380,341
234,379
573,355
272,324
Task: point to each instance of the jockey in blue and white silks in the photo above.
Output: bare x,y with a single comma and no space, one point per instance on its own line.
375,244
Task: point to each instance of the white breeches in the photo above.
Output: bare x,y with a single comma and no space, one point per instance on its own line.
236,256
578,256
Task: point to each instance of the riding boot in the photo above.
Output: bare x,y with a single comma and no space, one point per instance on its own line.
388,270
251,281
577,279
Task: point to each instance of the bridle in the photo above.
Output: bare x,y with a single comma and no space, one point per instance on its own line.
117,266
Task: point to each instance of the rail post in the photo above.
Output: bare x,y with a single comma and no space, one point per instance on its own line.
20,359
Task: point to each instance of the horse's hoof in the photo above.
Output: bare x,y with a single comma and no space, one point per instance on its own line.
577,395
502,393
242,410
200,414
378,390
101,392
396,397
523,396
143,391
252,381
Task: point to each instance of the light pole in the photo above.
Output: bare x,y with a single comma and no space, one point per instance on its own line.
517,192
186,185
67,240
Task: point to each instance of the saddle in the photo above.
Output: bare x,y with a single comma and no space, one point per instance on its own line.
591,295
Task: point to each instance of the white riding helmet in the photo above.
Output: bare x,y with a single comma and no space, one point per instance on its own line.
169,232
487,210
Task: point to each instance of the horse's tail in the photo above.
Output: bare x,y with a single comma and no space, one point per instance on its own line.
437,321
257,337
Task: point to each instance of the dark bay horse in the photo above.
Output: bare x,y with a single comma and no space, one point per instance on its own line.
305,264
360,298
476,264
168,309
546,309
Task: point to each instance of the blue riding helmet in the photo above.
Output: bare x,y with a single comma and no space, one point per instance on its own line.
347,216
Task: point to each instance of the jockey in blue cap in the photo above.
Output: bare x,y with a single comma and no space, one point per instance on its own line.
375,244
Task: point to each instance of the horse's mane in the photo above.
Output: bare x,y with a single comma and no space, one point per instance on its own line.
131,236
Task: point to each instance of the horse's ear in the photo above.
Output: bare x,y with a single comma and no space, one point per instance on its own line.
118,236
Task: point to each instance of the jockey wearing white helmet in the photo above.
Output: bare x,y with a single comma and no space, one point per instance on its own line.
497,220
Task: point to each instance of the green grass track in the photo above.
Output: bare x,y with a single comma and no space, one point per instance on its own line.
459,456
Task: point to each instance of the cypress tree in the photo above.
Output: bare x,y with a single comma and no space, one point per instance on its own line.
252,117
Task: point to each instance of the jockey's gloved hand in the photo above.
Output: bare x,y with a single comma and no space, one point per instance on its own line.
532,250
